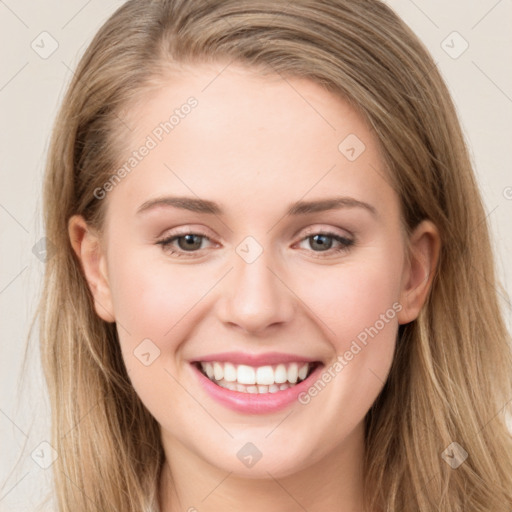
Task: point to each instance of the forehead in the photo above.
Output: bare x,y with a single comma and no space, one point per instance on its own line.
227,132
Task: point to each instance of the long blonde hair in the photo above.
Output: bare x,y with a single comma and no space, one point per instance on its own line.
451,377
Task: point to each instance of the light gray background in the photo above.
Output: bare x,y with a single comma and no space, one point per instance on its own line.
31,87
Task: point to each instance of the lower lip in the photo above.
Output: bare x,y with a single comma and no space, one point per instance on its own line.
255,403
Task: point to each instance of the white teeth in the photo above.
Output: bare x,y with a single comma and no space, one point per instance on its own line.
265,375
208,368
229,372
281,375
218,371
248,379
293,373
245,374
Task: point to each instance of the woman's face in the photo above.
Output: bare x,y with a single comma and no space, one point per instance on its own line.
291,251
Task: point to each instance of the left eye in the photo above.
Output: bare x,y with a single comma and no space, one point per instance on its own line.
325,242
189,242
192,242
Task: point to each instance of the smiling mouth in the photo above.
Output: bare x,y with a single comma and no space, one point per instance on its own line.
261,379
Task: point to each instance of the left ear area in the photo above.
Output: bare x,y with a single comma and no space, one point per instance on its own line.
86,244
424,249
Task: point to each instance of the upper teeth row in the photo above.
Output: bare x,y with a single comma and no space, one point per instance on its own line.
265,375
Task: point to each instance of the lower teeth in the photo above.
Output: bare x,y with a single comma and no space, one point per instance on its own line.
255,389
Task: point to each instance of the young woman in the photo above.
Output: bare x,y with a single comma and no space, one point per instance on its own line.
274,286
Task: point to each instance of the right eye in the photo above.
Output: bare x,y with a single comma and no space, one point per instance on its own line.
186,243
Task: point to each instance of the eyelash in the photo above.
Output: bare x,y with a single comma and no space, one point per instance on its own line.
346,243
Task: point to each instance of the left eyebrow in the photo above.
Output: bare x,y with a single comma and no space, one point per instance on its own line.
185,203
298,208
334,203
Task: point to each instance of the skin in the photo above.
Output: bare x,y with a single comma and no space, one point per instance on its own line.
255,145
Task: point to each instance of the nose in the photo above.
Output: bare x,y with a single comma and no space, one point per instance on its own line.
255,296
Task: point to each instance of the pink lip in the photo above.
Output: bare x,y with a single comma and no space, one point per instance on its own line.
268,358
255,403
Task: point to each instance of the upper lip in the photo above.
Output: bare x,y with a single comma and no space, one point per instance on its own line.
268,358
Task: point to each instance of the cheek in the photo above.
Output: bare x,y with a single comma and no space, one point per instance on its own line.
357,306
352,298
152,299
153,306
151,302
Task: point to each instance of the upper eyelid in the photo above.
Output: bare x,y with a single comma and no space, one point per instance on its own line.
330,231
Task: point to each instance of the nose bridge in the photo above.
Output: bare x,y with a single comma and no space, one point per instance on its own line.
255,297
